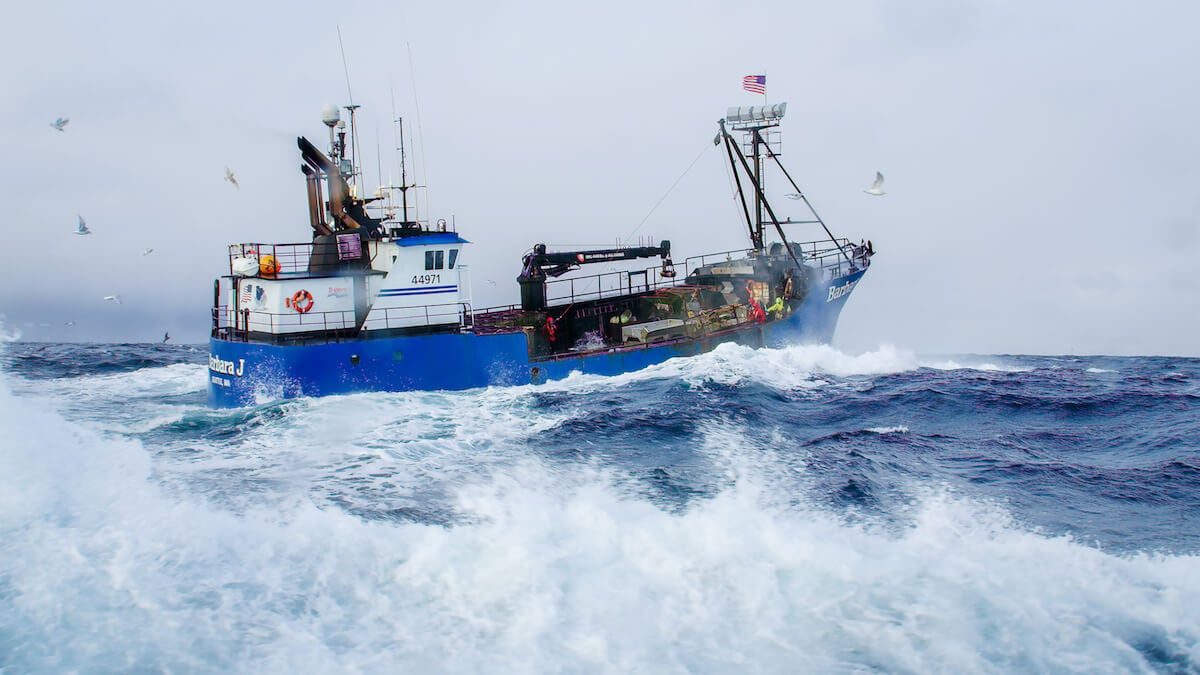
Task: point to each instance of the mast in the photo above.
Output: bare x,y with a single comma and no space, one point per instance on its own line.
354,177
405,222
755,142
403,176
754,120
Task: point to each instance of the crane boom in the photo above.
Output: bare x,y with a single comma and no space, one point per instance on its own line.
540,264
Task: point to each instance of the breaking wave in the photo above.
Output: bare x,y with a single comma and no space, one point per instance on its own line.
792,510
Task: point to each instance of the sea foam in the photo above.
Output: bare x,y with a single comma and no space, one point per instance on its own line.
541,566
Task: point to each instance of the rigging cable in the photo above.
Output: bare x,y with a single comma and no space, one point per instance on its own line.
396,145
355,149
735,194
412,78
668,192
378,163
772,155
345,68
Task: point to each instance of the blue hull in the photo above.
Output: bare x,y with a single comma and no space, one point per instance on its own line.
248,373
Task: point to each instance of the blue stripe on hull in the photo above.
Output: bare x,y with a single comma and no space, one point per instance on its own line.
246,373
400,292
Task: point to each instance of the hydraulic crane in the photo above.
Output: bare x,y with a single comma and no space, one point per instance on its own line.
540,264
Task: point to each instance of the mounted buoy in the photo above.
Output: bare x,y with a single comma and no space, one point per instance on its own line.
267,266
302,301
244,266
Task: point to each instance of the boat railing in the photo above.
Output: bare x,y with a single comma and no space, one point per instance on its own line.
607,284
241,325
295,259
838,260
833,258
451,313
595,286
697,261
233,324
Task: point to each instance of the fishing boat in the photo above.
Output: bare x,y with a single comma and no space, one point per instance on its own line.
380,300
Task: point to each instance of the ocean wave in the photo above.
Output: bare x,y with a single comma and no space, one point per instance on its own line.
985,366
889,430
542,568
725,512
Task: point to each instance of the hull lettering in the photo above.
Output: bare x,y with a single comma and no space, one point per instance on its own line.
224,367
836,292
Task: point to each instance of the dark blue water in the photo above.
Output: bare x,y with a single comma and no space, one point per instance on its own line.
796,510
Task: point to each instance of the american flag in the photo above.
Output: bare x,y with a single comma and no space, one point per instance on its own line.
755,83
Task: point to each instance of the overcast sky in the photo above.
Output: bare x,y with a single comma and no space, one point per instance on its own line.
1041,158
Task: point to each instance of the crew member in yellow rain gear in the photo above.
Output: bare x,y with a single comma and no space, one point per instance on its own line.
777,307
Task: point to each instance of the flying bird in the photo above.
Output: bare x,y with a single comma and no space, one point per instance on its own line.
60,123
68,324
229,177
82,228
876,188
148,251
166,336
793,195
114,298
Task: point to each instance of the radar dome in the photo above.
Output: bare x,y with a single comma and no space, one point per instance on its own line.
329,115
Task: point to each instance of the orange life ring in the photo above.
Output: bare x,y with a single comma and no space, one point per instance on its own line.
302,301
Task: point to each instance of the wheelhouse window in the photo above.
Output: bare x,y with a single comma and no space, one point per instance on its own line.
434,260
453,257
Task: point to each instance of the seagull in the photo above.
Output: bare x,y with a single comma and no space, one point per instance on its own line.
793,195
148,251
876,187
82,228
114,298
166,336
68,324
491,283
229,177
60,123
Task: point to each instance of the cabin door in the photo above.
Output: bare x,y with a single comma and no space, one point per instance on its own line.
241,318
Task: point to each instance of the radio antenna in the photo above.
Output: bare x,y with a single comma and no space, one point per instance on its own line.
412,78
345,68
356,171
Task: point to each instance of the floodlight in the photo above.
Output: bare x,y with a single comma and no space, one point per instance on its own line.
751,114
